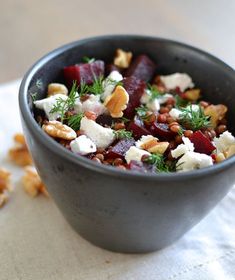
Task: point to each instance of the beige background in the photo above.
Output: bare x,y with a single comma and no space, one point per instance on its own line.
29,29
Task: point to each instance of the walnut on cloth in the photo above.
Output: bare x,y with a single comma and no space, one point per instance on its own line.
19,154
5,186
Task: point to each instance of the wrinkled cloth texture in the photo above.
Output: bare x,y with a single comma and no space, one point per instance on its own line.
37,243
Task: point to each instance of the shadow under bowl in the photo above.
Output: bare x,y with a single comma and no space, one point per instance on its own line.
119,210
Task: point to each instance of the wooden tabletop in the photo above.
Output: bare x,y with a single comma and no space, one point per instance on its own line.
29,29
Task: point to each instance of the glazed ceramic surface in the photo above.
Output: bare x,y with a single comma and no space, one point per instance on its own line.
119,210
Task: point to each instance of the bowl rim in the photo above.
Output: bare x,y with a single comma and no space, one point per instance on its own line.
55,147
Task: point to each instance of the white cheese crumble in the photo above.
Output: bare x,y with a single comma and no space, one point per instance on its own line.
181,80
191,160
162,99
224,141
110,82
135,153
154,105
183,148
101,136
92,104
82,145
175,113
143,140
47,105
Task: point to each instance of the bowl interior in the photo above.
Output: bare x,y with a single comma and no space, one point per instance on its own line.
213,77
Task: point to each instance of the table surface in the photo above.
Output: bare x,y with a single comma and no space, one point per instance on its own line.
29,29
35,240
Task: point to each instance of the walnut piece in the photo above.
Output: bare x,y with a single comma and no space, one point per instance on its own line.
122,58
117,102
216,113
58,130
19,154
192,94
32,183
153,146
5,186
56,88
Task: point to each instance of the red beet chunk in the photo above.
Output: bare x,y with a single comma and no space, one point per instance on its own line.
86,72
135,88
120,148
141,166
142,68
161,131
137,127
104,120
201,143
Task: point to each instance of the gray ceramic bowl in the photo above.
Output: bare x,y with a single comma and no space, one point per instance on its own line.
118,210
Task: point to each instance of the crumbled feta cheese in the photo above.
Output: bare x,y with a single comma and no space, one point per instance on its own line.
193,107
152,105
47,105
135,153
175,113
101,136
92,104
224,141
110,82
162,99
183,148
143,140
83,145
191,160
181,80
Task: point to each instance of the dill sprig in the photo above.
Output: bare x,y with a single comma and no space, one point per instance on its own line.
125,120
34,96
87,59
158,161
142,112
122,133
62,106
97,86
153,92
180,102
194,119
75,121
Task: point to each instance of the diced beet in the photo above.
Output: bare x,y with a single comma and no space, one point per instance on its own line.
137,127
201,143
104,120
111,67
135,88
120,148
142,67
141,167
86,72
161,131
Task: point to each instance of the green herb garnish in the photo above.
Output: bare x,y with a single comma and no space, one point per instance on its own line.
159,162
142,112
97,86
180,102
125,120
87,59
39,83
62,106
122,133
153,92
34,96
194,119
75,121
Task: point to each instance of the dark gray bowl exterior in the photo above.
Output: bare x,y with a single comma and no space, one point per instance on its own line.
118,210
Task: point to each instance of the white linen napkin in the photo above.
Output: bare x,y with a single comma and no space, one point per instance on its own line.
37,243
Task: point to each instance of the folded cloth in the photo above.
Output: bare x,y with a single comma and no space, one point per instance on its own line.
37,243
